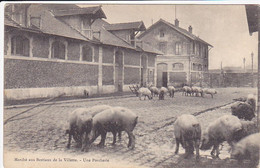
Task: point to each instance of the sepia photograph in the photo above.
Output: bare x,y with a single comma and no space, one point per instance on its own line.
130,85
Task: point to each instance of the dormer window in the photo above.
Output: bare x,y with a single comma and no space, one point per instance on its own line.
86,28
161,33
17,12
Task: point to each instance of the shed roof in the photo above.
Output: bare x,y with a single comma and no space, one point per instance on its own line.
177,28
138,26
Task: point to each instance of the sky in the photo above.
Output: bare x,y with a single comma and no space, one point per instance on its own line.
223,26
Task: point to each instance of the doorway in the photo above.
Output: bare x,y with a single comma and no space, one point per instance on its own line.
164,79
162,75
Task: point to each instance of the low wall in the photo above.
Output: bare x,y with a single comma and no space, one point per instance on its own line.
30,93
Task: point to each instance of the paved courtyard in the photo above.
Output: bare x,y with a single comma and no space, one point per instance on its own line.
41,132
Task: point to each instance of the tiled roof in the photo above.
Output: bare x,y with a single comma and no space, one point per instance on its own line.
179,29
60,6
110,39
95,11
139,26
9,22
54,26
51,25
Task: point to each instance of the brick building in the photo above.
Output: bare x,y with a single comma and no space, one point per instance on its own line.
51,49
185,55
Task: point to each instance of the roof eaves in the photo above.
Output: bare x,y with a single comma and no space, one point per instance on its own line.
13,23
98,8
125,26
186,33
80,36
127,45
179,29
148,29
74,29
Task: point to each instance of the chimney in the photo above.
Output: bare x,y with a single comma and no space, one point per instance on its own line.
177,22
190,29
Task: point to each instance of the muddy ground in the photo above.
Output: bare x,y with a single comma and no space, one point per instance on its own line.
41,131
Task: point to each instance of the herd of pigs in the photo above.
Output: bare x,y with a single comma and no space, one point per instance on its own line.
238,129
153,91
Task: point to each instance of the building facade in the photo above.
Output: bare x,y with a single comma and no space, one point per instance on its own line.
185,57
52,49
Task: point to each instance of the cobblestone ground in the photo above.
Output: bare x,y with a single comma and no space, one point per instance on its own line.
42,131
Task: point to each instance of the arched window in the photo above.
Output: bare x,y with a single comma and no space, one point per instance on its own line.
177,66
20,45
178,48
58,50
87,53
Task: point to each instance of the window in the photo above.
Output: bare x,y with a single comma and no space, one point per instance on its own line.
177,66
199,50
163,46
87,53
200,67
161,33
85,23
58,50
20,46
178,48
193,48
206,52
194,66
